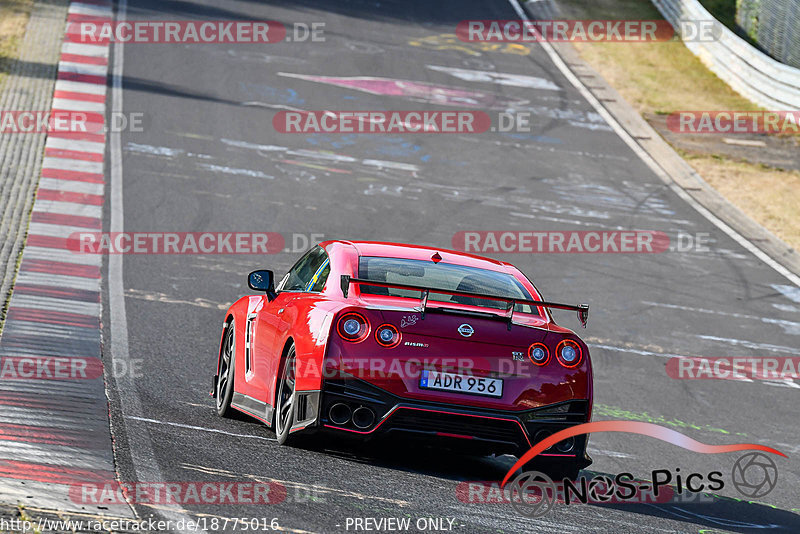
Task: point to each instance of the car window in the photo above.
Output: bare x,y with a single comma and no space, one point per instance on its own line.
309,273
442,276
317,283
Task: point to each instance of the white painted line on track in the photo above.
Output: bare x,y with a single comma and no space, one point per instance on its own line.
193,427
142,455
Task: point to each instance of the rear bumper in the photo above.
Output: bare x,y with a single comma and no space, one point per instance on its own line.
459,427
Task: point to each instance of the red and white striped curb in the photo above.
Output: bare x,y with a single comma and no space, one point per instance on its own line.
55,432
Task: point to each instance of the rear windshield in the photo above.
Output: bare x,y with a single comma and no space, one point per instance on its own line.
442,275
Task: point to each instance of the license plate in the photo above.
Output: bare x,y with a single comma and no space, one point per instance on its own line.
477,385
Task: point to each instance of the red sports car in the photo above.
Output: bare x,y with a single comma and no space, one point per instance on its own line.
369,339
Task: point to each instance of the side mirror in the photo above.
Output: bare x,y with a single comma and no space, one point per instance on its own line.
262,280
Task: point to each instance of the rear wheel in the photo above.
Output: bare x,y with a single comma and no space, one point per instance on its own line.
227,367
284,403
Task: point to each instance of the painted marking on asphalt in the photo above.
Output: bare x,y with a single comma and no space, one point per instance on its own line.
75,144
301,485
78,58
499,78
155,296
61,280
85,50
789,327
790,292
235,171
82,68
81,78
80,87
154,150
203,429
71,104
70,197
79,176
68,208
87,188
64,305
53,230
22,313
70,269
52,473
93,167
750,344
73,154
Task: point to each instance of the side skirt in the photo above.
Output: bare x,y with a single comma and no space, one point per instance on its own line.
253,407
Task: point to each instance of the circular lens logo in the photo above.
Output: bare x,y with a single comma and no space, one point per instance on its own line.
754,474
466,330
533,494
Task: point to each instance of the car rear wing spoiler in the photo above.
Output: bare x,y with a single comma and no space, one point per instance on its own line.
582,309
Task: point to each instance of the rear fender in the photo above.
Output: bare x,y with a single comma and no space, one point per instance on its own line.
237,313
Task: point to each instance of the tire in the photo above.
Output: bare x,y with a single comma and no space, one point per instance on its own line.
227,373
284,401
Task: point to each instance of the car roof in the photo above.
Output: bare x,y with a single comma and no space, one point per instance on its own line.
421,252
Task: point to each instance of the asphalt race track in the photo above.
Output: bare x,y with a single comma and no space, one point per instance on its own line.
209,159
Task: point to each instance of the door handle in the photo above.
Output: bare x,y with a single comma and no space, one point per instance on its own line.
280,311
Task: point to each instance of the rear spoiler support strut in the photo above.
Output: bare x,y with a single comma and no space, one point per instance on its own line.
581,309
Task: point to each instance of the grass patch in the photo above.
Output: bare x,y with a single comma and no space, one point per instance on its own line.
768,195
14,16
665,77
660,77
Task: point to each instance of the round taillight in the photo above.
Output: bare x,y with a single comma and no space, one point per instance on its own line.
387,336
538,354
352,327
568,353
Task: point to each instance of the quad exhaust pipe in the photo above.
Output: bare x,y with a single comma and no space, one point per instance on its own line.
363,417
340,413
